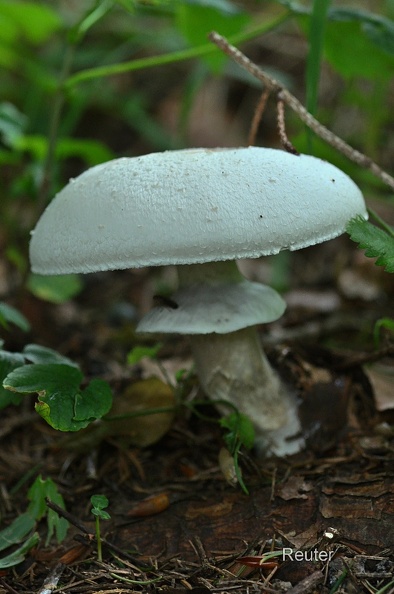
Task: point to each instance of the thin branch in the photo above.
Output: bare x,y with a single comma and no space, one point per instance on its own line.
280,106
304,115
258,113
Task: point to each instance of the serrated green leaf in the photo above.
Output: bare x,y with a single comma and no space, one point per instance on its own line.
376,242
39,492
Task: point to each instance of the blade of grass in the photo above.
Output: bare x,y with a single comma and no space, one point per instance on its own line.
316,43
313,65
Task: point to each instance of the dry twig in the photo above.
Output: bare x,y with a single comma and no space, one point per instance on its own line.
284,95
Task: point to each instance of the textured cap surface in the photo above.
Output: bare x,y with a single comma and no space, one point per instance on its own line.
203,309
190,206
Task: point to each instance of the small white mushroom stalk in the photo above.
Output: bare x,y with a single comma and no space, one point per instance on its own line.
218,308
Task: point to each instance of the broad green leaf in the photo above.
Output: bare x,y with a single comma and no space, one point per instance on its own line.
16,532
35,21
44,379
357,42
19,555
93,402
352,53
9,362
377,243
379,29
61,402
12,315
56,288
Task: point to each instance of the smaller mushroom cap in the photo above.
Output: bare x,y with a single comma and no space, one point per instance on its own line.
206,309
192,206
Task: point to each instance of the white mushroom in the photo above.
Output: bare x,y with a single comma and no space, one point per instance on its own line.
201,210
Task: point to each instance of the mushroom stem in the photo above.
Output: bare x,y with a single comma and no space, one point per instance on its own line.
233,366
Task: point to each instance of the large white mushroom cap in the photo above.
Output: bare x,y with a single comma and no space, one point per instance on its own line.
192,206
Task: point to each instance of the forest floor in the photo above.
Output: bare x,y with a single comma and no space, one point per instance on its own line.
321,521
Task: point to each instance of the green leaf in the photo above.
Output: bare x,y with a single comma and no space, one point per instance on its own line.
36,353
9,362
12,315
12,123
240,431
352,48
139,352
99,503
35,21
61,402
379,29
377,243
39,492
43,378
56,288
196,19
19,555
16,532
93,402
92,152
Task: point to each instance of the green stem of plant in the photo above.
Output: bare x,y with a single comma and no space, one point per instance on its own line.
55,119
170,58
98,539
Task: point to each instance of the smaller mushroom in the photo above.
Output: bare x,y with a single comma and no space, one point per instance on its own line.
201,210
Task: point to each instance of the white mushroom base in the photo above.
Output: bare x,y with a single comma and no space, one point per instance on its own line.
232,367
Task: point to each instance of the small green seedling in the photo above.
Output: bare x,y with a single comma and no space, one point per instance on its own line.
99,503
387,324
239,432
